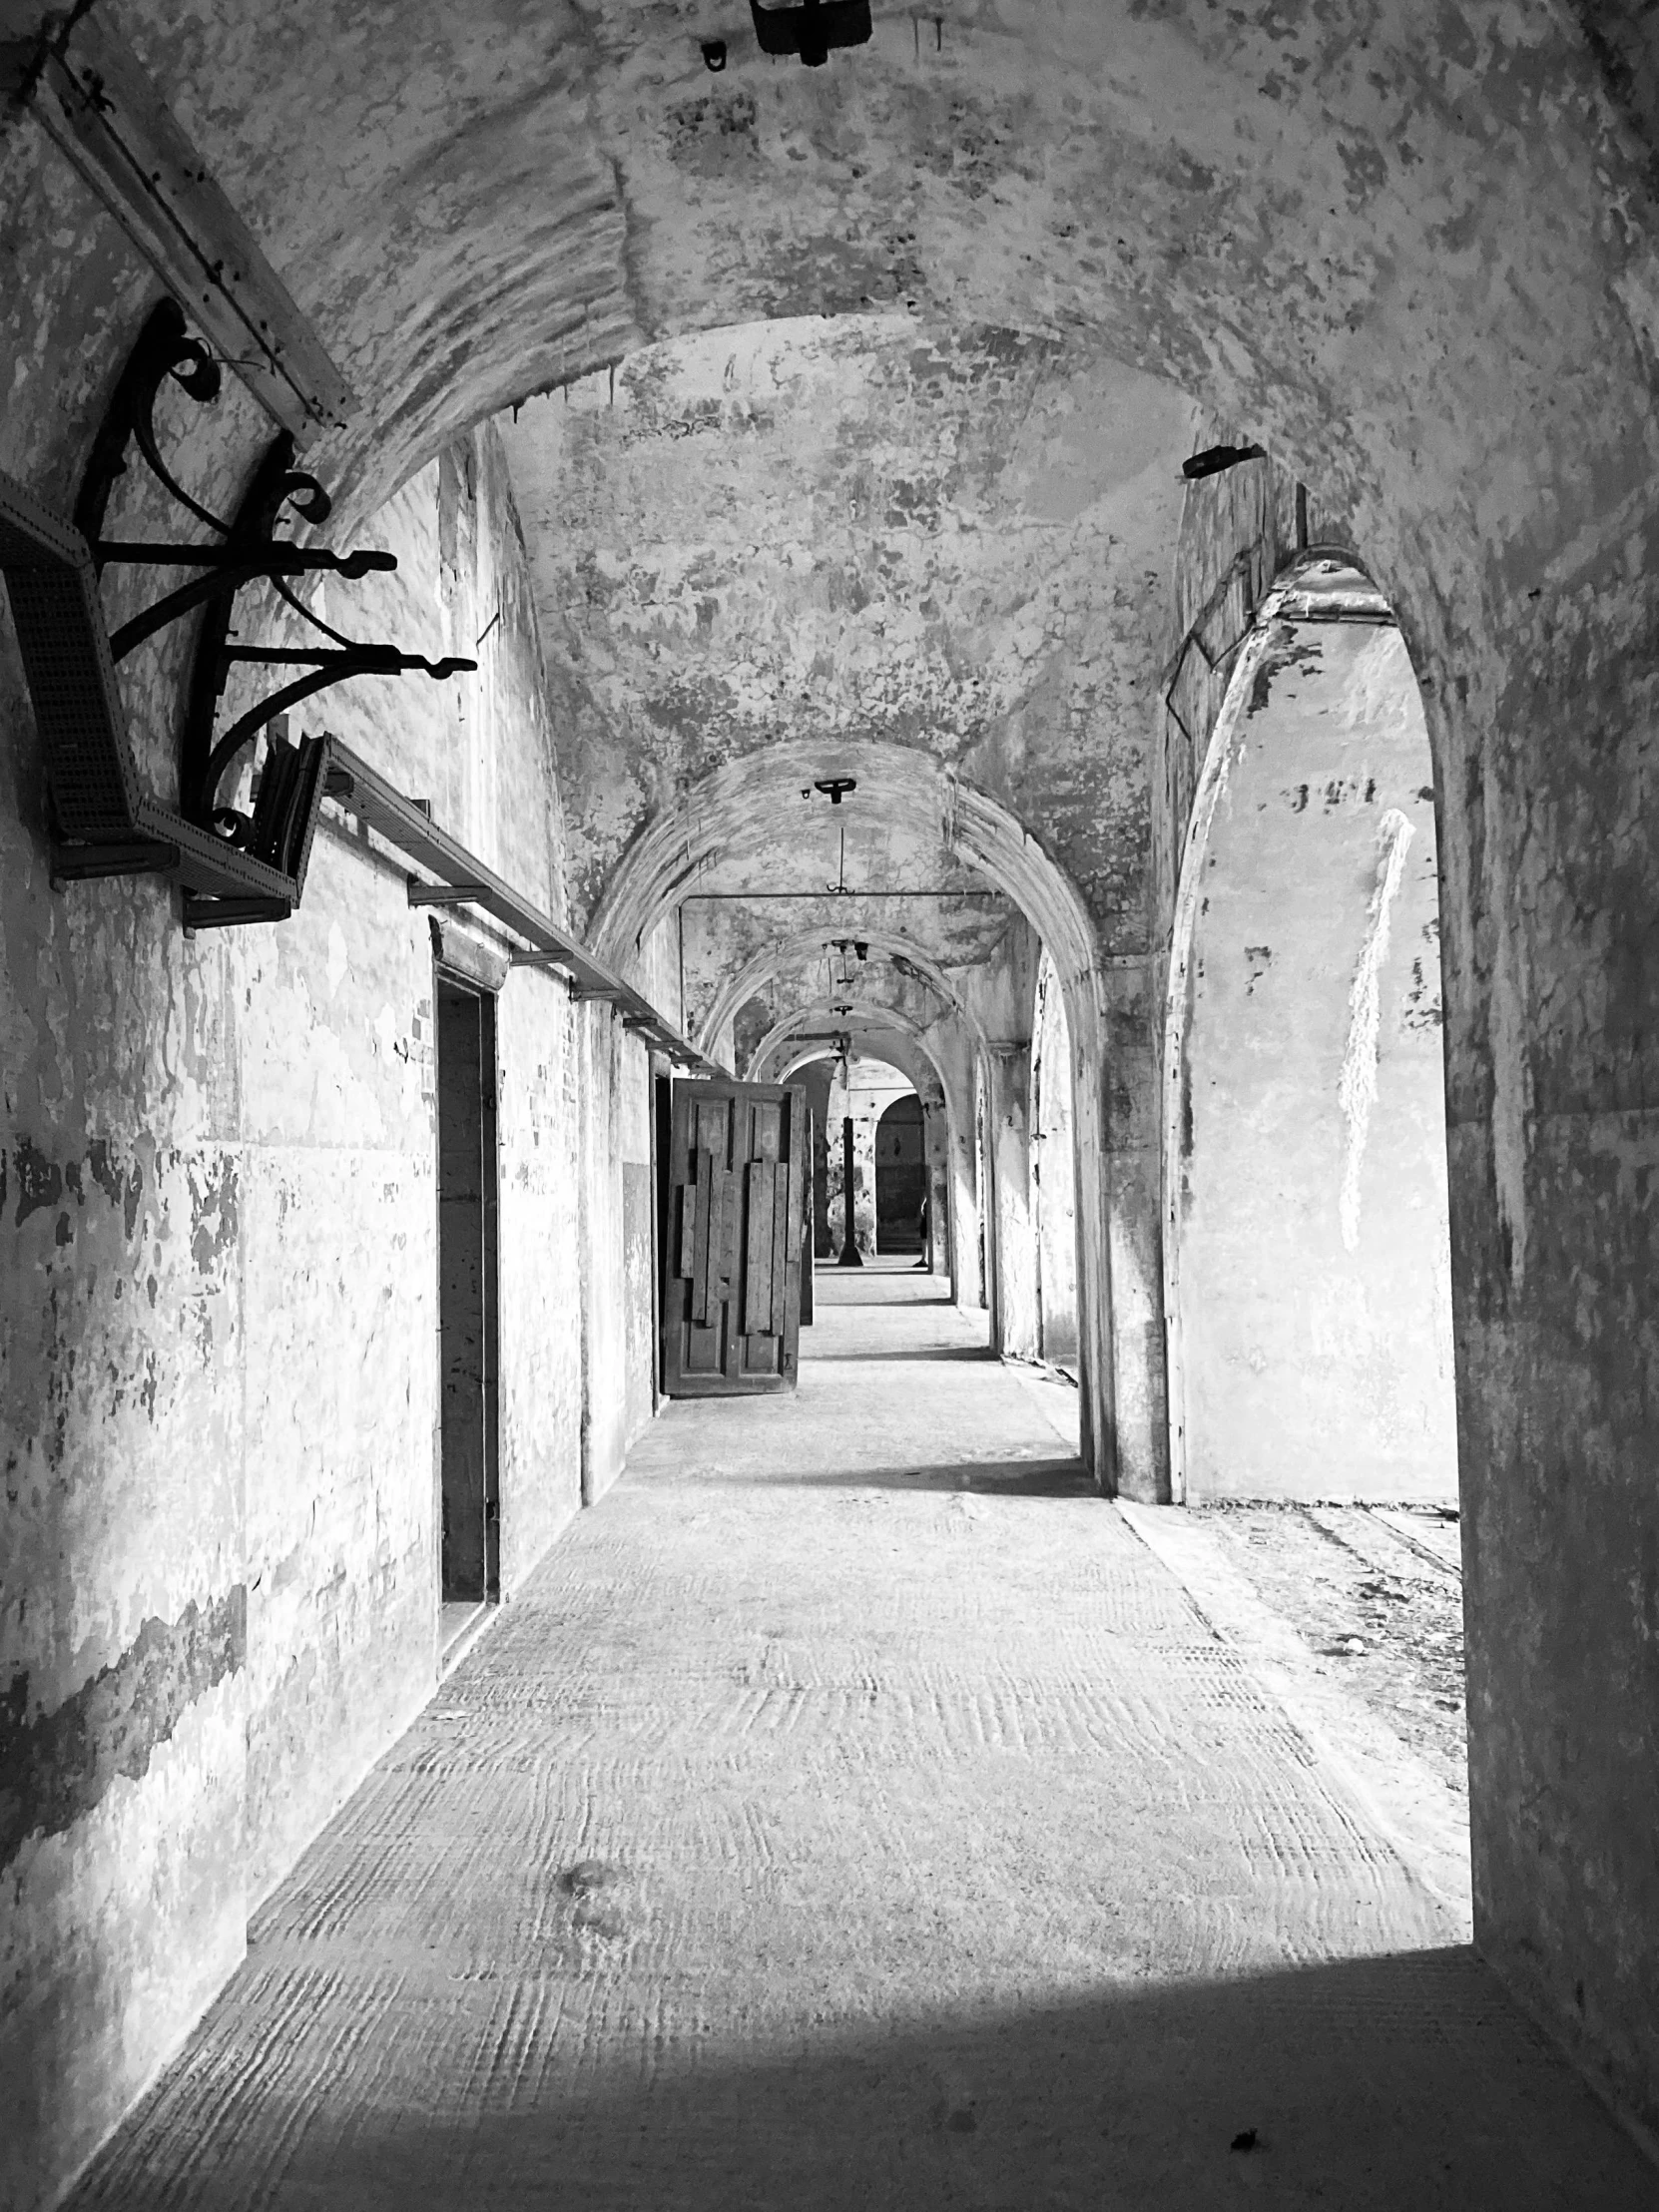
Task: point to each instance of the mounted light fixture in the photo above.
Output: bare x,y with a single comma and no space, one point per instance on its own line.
810,31
714,53
836,788
1215,458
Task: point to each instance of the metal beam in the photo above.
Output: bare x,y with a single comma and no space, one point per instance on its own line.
99,106
464,881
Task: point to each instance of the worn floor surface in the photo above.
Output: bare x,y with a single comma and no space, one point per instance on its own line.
855,1813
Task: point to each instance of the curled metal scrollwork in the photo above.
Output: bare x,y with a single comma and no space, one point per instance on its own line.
245,550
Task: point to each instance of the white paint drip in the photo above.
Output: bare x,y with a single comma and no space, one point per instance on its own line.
1357,1085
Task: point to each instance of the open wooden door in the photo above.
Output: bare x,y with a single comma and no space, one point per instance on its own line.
736,1190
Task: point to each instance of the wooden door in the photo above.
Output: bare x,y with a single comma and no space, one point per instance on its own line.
736,1190
808,1157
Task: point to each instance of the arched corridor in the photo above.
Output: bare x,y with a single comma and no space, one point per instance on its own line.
587,596
769,1890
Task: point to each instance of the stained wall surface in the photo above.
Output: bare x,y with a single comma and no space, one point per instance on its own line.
1314,1301
1419,260
218,1286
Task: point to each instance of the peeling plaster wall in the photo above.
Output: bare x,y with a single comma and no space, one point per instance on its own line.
943,543
1422,264
1237,527
124,1205
217,1311
1315,1310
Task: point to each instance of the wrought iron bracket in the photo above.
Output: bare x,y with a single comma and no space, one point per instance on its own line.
247,550
232,866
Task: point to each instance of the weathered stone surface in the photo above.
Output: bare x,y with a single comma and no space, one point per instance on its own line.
1308,1284
215,1306
1414,256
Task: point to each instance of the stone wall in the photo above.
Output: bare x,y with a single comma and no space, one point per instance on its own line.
217,1313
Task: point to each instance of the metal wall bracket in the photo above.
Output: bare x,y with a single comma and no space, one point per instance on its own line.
248,551
95,100
234,865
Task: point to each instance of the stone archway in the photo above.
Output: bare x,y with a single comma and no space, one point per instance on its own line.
736,806
1306,1240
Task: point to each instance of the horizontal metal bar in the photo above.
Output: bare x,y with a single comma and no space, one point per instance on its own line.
232,913
260,560
77,864
1311,610
444,894
97,103
467,881
357,660
830,890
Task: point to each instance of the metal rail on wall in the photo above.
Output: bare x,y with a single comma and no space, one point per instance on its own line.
462,879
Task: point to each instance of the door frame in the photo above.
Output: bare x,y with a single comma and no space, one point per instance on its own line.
448,975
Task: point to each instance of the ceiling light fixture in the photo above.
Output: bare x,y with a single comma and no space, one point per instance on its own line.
810,31
1215,458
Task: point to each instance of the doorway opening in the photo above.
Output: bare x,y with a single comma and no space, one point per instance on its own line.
1054,1174
468,1472
900,1179
1307,1244
985,1255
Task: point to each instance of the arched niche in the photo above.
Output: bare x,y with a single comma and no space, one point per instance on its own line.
1307,1273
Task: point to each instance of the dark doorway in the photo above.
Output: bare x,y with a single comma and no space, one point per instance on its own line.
900,1178
469,1498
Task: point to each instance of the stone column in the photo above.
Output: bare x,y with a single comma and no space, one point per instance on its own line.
1009,1135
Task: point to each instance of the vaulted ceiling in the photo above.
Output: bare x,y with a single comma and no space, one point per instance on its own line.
853,532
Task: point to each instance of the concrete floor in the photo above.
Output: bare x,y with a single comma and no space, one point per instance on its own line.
856,1812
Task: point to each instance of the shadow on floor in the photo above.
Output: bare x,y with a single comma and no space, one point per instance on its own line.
1394,2084
937,1351
1056,1478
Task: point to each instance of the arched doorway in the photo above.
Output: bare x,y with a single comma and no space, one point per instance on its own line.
900,1179
1054,1173
1308,1260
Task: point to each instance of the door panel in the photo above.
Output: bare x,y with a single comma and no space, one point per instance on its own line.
737,1190
469,1355
808,1158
